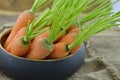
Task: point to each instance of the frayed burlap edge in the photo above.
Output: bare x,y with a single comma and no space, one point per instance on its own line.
111,69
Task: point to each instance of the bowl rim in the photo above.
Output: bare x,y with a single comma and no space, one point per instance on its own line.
46,60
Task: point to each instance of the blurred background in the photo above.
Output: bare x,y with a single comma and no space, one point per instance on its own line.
10,8
15,5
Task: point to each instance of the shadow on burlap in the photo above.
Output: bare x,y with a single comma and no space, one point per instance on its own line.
94,67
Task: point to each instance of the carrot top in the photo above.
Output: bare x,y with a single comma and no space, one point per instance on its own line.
101,10
34,29
65,13
38,4
98,25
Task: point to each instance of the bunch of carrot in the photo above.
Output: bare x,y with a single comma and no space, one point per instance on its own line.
23,18
54,34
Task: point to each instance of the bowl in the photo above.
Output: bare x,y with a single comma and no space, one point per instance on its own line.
20,68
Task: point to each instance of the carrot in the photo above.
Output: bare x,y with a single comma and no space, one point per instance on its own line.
69,38
19,46
98,25
40,50
21,32
72,51
61,37
64,22
43,35
70,28
75,30
60,51
23,19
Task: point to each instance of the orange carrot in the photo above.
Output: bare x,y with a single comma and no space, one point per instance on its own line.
71,28
22,21
75,30
69,38
23,42
21,32
75,49
61,37
60,51
40,50
19,46
43,35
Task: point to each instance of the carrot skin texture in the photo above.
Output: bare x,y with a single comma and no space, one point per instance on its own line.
39,50
58,40
69,38
60,51
21,21
19,48
75,30
71,28
43,35
21,32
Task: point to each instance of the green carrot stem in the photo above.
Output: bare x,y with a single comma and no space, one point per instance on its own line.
72,9
36,22
38,4
98,25
43,22
94,3
29,38
102,10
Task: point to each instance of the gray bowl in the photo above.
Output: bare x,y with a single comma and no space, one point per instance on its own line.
24,69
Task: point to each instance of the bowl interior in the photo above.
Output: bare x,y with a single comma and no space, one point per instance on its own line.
4,37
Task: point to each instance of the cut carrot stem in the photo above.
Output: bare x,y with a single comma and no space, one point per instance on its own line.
24,42
40,50
22,21
43,35
60,51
